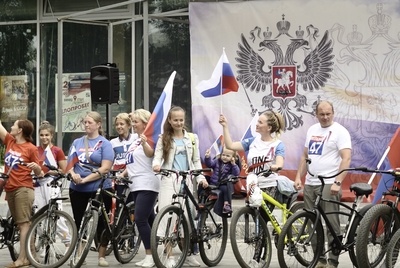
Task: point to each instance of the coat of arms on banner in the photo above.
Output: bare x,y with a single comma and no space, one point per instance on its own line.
284,81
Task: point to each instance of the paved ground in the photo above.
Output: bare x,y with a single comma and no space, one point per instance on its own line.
228,261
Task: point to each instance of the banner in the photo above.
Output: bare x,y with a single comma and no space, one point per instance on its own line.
14,97
289,55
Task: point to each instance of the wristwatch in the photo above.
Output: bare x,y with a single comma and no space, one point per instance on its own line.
338,183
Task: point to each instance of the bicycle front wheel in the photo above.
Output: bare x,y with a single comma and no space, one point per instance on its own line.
43,233
295,248
214,235
374,234
170,238
86,234
251,248
127,238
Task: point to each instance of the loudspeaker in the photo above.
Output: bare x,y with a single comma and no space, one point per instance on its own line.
104,83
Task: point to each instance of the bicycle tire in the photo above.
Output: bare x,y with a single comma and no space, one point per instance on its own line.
352,240
214,236
244,247
374,235
293,238
46,230
85,237
127,236
392,255
169,240
296,207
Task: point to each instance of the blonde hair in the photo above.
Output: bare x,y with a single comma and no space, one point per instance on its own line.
97,118
124,117
142,114
276,122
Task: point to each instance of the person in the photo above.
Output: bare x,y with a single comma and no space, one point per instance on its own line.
96,151
328,145
145,184
120,146
174,150
265,151
52,155
19,188
223,166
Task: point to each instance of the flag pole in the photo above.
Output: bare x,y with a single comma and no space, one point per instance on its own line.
220,89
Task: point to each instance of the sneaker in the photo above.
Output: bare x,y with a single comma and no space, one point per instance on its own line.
170,262
148,261
227,209
140,263
191,261
103,262
321,264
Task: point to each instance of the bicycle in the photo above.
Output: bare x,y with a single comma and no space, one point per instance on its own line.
123,234
250,237
377,232
50,223
303,231
172,234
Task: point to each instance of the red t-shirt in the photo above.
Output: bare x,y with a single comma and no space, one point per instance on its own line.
20,176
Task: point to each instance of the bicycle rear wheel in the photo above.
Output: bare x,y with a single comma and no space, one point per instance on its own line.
44,232
392,255
127,238
250,248
374,234
294,250
214,235
170,238
86,234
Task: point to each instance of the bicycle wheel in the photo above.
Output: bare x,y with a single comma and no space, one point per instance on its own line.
214,235
170,238
392,255
294,250
44,232
352,237
86,234
127,238
373,235
250,249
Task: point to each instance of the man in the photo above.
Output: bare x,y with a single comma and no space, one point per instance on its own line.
328,145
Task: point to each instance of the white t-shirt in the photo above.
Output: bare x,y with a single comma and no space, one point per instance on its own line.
260,151
120,147
323,146
140,170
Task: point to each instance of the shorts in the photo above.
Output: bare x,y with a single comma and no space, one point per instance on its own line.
20,203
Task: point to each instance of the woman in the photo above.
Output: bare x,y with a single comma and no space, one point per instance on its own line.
265,151
96,151
52,155
145,185
174,150
19,188
121,145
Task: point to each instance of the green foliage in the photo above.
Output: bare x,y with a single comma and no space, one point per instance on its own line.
2,151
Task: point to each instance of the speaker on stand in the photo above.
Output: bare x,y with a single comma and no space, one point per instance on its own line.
104,86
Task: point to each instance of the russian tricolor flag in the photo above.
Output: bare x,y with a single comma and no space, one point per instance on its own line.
48,157
155,125
251,130
392,161
72,159
221,82
218,145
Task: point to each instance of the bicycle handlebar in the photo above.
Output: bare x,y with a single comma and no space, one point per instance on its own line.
395,173
184,173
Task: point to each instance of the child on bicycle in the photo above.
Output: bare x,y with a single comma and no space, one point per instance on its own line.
223,166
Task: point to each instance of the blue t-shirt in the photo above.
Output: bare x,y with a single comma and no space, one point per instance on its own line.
99,149
180,159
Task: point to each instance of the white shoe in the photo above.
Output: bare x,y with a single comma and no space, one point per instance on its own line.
170,262
191,261
140,263
148,261
43,253
103,262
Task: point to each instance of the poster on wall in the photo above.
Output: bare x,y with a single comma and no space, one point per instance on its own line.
76,101
13,97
